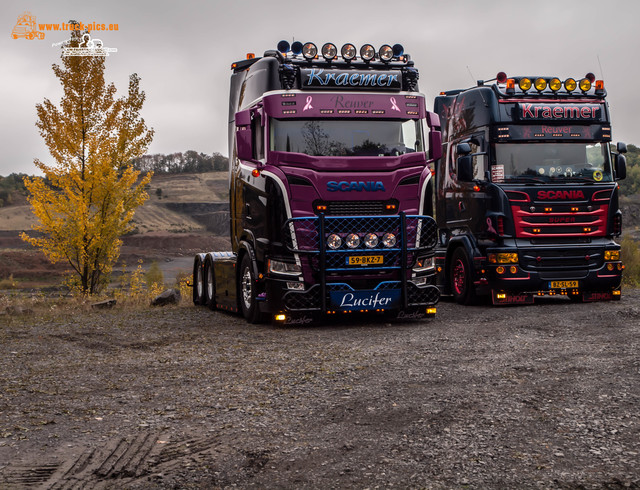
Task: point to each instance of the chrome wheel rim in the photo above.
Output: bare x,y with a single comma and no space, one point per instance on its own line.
209,283
246,288
459,277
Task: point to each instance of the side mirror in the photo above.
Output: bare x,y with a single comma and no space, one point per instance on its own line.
244,145
621,166
435,144
621,147
465,167
463,149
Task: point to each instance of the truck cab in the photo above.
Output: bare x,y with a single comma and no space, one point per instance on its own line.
330,185
527,193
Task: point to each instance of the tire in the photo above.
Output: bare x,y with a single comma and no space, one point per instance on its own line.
247,291
460,278
198,286
209,285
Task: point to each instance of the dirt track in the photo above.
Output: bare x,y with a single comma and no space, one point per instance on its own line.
545,396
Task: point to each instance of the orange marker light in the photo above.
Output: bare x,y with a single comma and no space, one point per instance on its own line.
250,56
255,172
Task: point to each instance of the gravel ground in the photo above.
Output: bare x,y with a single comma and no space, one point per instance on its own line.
543,396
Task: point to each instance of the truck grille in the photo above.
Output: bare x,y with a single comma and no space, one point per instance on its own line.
574,258
355,208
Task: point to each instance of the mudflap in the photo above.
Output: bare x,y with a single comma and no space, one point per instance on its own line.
503,298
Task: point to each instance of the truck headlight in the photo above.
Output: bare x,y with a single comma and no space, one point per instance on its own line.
353,240
389,240
287,268
334,241
371,240
612,255
423,264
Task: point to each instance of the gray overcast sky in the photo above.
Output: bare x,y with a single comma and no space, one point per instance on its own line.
183,51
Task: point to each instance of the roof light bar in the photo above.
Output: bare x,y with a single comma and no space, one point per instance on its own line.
349,52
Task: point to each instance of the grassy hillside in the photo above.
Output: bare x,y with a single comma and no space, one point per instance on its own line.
157,214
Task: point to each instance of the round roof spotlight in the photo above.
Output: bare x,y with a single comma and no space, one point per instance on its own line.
555,84
398,50
524,84
585,84
309,51
367,52
296,47
591,77
348,51
283,46
540,84
385,52
329,51
501,77
570,84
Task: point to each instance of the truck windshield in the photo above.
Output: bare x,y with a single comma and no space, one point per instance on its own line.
556,161
346,137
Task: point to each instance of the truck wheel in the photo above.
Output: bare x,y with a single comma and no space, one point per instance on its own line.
209,285
248,293
460,278
198,286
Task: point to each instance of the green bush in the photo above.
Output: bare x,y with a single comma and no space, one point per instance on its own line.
154,275
631,261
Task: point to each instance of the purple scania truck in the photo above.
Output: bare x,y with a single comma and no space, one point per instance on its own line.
330,188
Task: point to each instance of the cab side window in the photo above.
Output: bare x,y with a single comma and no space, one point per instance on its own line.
257,132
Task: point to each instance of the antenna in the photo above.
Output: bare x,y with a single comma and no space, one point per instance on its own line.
478,84
600,65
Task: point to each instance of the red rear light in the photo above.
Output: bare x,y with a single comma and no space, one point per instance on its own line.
617,224
500,225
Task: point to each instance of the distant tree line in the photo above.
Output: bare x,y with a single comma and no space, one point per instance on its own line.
9,186
631,185
177,163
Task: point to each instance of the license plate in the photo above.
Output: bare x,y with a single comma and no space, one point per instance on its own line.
563,284
365,260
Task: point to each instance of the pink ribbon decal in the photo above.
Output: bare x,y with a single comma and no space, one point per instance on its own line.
490,227
308,106
394,106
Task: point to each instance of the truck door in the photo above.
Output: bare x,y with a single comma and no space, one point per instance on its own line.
464,203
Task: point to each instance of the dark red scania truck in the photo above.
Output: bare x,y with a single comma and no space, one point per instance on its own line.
526,191
330,188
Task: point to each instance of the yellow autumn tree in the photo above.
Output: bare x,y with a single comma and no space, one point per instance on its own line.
87,198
